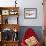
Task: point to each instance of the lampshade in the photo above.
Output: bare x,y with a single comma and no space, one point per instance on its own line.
15,30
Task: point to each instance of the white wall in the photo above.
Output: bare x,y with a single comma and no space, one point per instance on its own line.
27,4
7,3
32,22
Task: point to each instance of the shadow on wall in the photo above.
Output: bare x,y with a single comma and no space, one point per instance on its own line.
37,29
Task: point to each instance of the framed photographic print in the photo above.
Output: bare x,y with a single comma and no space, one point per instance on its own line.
30,13
0,19
5,12
0,36
13,20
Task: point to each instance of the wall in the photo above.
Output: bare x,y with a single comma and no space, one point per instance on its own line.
32,22
27,4
6,3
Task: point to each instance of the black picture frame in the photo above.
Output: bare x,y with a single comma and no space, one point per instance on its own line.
30,13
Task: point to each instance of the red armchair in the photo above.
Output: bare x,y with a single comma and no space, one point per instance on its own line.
28,34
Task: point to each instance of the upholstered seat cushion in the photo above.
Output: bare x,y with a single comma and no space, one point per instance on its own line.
30,35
